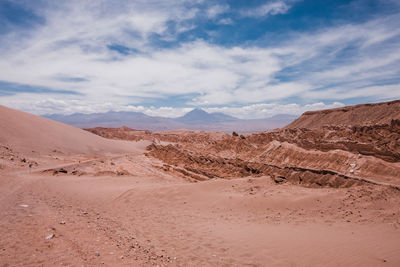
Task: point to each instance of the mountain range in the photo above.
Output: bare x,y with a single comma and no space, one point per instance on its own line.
197,119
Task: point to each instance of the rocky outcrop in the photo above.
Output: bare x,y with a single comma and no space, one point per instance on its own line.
359,115
321,155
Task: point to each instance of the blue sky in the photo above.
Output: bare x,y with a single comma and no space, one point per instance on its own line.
249,59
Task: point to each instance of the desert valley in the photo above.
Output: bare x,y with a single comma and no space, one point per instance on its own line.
322,191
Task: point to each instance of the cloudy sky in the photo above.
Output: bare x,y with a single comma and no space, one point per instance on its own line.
250,59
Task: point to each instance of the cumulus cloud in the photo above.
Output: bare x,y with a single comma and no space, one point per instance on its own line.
71,52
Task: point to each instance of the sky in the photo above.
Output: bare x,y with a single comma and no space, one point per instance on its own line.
249,59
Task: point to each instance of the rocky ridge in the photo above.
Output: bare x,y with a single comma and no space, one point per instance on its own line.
329,155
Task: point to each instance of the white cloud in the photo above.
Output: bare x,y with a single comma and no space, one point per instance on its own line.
73,43
259,111
226,21
49,104
216,10
379,92
272,8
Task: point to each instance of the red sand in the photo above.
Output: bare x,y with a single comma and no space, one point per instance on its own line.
103,201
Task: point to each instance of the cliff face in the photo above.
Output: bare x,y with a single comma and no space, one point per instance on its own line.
336,148
359,115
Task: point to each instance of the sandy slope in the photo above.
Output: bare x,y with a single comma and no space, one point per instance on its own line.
24,132
123,209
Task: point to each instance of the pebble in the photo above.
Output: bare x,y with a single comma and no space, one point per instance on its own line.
97,254
50,236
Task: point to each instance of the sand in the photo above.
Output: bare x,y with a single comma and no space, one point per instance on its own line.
110,204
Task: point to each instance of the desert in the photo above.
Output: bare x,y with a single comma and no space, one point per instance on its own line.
296,196
175,133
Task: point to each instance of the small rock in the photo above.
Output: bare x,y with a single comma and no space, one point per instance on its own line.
97,253
50,236
62,222
280,179
62,170
24,205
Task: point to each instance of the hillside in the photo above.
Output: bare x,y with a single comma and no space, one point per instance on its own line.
24,132
359,115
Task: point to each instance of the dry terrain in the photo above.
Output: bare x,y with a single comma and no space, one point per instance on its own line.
326,195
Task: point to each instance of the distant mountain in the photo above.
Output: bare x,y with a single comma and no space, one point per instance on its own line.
116,119
197,116
196,119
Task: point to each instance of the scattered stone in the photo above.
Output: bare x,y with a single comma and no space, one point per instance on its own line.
24,205
62,222
279,179
62,170
50,236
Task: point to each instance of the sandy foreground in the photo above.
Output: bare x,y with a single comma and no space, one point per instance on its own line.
142,216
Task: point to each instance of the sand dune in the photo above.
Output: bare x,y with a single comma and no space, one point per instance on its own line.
25,132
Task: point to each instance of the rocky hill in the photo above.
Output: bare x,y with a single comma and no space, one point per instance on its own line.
363,148
359,115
